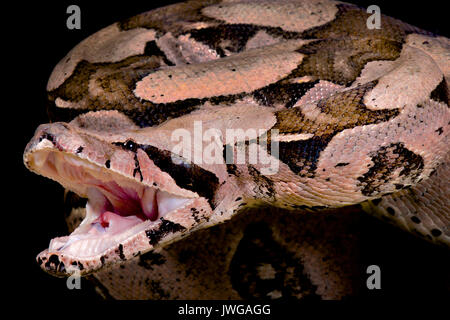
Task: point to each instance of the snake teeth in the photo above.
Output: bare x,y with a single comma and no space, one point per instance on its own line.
149,203
157,203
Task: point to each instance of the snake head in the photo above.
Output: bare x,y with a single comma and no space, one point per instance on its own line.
139,197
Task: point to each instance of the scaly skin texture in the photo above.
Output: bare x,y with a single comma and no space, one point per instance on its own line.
360,117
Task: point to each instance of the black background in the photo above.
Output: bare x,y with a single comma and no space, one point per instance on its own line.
35,38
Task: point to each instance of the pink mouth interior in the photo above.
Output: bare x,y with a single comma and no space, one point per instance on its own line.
124,202
117,207
121,208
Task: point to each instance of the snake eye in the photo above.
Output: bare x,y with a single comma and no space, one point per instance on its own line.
130,145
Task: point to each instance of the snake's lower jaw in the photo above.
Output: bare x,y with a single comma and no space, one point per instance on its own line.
107,238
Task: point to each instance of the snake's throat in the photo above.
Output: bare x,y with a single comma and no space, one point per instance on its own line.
117,209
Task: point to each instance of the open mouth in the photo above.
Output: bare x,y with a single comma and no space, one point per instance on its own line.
117,208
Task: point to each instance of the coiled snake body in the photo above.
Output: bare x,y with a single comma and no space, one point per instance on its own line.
344,115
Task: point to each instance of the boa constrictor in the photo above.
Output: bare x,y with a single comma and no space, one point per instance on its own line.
357,116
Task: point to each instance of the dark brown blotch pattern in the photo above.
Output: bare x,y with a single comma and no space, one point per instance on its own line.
170,18
166,227
149,259
441,93
341,60
258,248
346,107
386,160
351,21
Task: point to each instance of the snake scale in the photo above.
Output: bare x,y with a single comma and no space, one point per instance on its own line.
344,116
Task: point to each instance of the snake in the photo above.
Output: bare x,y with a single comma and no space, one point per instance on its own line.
183,129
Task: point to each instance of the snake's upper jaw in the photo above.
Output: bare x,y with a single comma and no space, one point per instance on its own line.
124,217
